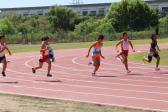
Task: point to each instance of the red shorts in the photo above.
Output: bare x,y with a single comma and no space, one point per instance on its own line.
44,58
124,52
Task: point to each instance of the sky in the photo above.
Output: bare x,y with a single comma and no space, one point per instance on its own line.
36,3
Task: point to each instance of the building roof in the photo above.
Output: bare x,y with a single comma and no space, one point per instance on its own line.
47,7
80,5
155,1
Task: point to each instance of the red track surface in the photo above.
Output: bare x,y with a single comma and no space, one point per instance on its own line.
143,88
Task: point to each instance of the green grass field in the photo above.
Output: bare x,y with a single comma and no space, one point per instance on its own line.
15,103
30,48
137,57
27,104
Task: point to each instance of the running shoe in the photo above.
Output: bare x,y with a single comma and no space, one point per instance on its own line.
157,69
128,71
7,61
3,73
33,70
118,57
90,62
49,75
94,74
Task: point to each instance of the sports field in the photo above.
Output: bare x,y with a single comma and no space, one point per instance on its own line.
143,89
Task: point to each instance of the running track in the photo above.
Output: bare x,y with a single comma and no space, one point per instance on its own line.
143,88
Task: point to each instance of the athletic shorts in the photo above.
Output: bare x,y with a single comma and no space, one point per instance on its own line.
1,58
95,56
150,57
43,58
124,52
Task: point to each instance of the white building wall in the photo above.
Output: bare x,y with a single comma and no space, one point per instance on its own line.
159,5
80,9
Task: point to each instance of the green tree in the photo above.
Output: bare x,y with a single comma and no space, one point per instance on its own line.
94,25
6,26
132,13
162,13
62,17
14,18
163,22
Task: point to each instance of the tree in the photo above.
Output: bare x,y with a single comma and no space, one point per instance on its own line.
94,25
162,13
132,13
14,18
62,17
163,22
6,26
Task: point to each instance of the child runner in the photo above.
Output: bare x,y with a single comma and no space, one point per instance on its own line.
152,52
3,47
96,54
123,53
44,57
51,53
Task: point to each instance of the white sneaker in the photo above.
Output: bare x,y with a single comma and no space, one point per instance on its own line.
118,58
128,71
90,62
157,69
94,74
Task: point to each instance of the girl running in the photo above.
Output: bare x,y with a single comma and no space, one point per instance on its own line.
44,57
153,52
96,54
51,52
3,47
123,53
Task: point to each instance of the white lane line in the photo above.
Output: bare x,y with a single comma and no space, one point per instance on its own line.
93,94
111,83
72,85
110,104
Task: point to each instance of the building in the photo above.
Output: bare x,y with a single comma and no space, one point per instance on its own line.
83,9
160,4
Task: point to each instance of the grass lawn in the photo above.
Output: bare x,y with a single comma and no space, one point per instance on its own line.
30,48
137,57
15,103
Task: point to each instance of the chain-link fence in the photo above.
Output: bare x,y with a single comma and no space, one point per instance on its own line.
69,36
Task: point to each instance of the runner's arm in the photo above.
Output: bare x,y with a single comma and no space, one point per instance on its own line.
117,46
101,54
2,49
158,47
89,50
131,46
42,48
153,50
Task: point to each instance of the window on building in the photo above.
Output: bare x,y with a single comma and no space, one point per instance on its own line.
101,10
165,8
25,14
93,12
85,13
40,13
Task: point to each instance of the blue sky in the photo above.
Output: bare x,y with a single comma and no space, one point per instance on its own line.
34,3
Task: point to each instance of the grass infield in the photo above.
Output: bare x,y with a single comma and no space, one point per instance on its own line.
137,57
17,48
15,103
